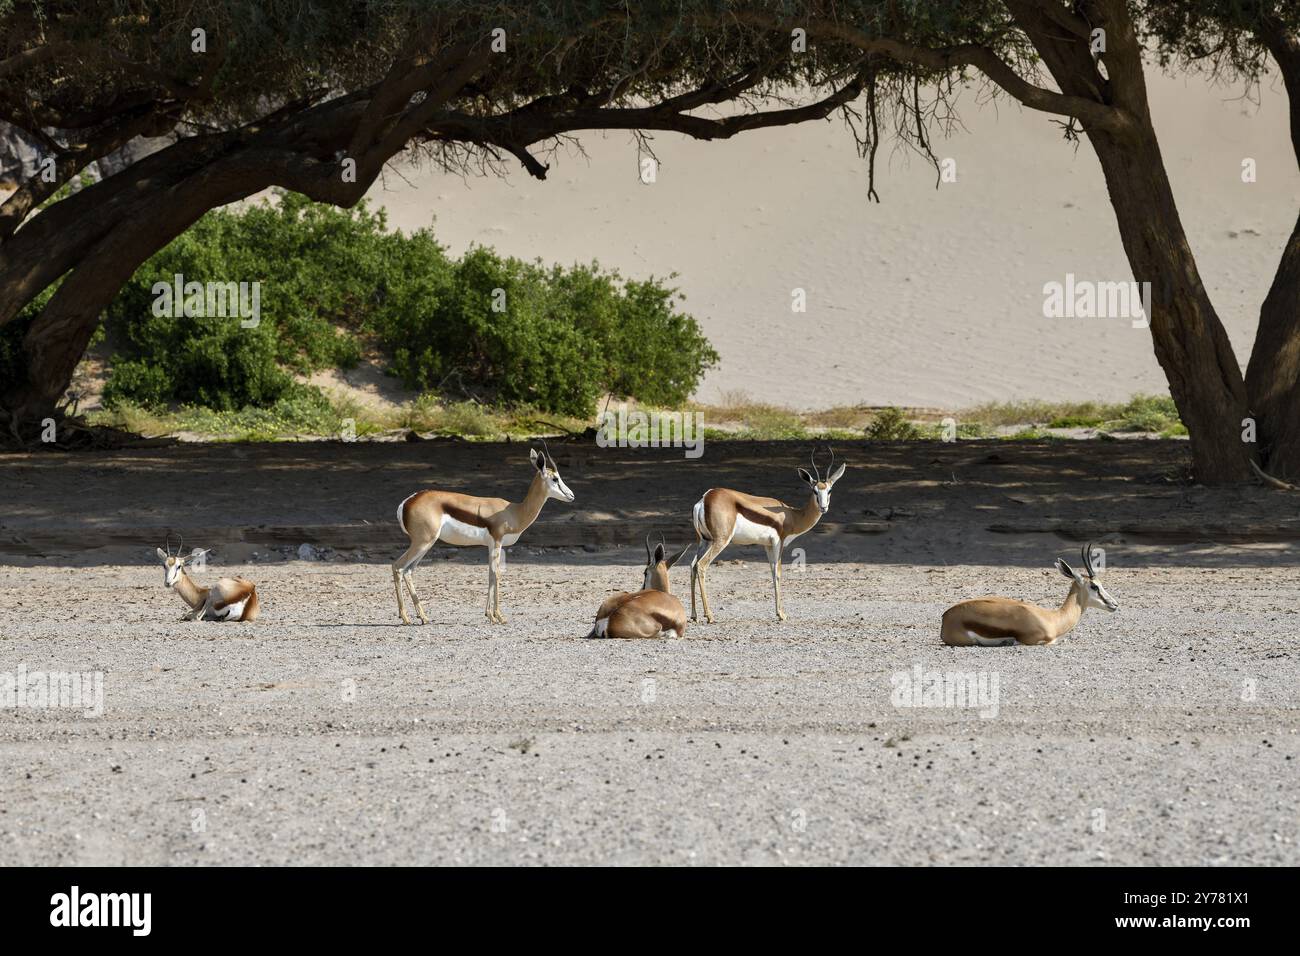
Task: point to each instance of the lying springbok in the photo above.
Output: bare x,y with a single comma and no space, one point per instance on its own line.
650,612
723,517
230,599
467,521
1002,622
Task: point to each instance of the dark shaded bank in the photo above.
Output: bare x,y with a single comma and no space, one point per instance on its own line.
907,502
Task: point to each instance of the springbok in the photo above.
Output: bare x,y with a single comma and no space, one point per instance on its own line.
1002,622
468,521
650,612
230,599
724,516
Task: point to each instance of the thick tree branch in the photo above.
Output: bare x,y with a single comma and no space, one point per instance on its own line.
1093,114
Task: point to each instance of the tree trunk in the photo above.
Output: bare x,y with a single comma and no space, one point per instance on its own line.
1273,376
1190,342
57,339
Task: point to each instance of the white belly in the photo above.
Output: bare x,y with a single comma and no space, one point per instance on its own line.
990,641
751,532
462,534
231,612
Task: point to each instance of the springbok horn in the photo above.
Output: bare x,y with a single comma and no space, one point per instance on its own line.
546,450
812,460
1087,560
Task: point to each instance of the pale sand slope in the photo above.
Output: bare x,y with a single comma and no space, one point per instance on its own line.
933,297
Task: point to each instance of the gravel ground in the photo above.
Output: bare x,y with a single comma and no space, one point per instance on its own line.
328,734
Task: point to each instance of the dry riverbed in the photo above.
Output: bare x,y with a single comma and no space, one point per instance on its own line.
327,733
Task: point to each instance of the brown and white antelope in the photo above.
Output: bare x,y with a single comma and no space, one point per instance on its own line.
724,517
1003,622
230,599
468,521
650,612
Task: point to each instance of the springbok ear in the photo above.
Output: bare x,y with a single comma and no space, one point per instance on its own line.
162,555
836,475
659,553
1065,569
678,556
533,457
803,473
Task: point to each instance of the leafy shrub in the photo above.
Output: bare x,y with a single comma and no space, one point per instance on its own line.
554,339
1150,413
334,282
320,271
889,424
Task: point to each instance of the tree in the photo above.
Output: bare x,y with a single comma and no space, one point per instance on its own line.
1235,39
317,99
291,95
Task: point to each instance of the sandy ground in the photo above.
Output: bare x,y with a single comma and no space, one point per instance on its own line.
327,733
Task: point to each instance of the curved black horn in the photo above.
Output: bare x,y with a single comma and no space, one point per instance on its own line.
1087,560
812,460
546,451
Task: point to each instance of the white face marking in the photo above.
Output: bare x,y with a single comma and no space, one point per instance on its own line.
171,571
1099,597
555,486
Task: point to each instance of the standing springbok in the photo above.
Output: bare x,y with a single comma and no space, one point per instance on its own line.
650,612
230,599
468,521
724,516
1002,622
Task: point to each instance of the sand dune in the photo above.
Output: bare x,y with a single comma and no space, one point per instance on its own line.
933,297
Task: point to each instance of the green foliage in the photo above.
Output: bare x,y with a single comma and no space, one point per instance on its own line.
556,339
1150,413
333,282
889,424
320,272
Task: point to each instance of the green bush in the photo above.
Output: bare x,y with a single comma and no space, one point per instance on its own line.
555,339
1150,413
335,283
889,424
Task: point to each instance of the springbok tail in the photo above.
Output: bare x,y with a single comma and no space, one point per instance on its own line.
401,518
252,608
701,530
